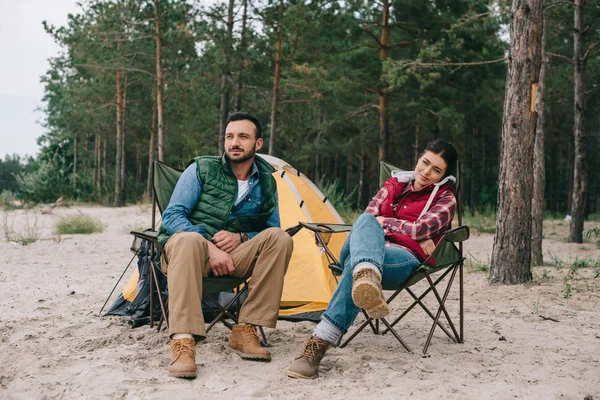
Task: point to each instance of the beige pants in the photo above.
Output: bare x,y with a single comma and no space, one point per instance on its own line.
265,258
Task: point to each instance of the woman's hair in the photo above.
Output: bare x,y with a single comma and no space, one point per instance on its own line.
446,150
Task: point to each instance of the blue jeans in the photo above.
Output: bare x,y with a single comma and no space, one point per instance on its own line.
366,243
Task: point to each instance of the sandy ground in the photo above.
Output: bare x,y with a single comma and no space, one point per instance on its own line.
524,341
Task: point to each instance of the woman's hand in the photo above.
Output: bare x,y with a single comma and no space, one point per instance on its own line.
380,219
428,246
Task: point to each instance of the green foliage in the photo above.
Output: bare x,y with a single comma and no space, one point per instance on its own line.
49,182
10,167
8,201
78,224
334,192
482,221
567,290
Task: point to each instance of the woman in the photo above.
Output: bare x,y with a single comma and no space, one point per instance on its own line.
399,229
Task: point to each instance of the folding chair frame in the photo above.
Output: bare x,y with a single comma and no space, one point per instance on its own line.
452,269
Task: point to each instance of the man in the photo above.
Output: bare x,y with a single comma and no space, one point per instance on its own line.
223,219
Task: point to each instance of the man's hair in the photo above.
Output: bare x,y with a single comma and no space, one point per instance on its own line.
447,151
240,116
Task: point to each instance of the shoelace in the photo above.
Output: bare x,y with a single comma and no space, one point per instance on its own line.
252,331
183,346
366,273
313,346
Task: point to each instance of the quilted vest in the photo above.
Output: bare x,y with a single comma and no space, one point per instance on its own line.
408,206
219,192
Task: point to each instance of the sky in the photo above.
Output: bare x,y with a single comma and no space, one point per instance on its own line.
25,49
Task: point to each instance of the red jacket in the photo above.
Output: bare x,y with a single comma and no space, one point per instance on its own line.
408,206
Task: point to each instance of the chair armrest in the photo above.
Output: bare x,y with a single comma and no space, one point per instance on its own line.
458,234
149,235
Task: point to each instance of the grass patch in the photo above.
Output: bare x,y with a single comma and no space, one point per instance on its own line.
25,235
78,224
481,221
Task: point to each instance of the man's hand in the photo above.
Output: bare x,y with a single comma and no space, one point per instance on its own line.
428,246
220,262
227,241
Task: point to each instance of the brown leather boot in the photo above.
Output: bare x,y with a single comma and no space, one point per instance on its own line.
307,365
183,358
367,293
244,341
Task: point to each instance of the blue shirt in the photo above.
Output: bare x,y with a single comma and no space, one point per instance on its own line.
176,217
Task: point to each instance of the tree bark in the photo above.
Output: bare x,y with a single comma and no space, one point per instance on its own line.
382,91
511,254
580,173
119,140
539,166
361,180
75,165
159,82
242,58
123,200
151,154
276,82
98,158
224,108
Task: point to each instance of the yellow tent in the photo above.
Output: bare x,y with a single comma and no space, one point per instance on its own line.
309,283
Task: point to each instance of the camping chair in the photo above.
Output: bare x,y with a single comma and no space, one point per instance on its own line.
449,260
164,180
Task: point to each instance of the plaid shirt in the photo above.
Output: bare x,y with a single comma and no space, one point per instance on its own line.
433,221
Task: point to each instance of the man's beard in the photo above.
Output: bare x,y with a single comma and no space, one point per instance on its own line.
244,157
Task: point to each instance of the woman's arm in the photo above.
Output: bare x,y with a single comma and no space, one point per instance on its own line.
430,223
375,203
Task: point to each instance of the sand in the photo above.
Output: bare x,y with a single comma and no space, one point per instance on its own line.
523,341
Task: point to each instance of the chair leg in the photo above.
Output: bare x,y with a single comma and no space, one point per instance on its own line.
160,299
396,335
263,337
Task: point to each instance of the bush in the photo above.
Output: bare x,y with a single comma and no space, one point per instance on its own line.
74,224
8,201
49,182
335,194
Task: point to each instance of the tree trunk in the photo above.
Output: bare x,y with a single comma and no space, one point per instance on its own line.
95,174
224,109
98,158
104,160
159,82
474,156
75,165
151,154
361,180
138,175
276,82
539,167
511,254
382,91
580,173
417,145
242,58
123,200
119,140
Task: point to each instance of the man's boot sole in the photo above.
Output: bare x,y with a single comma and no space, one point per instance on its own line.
298,375
254,357
367,295
183,374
